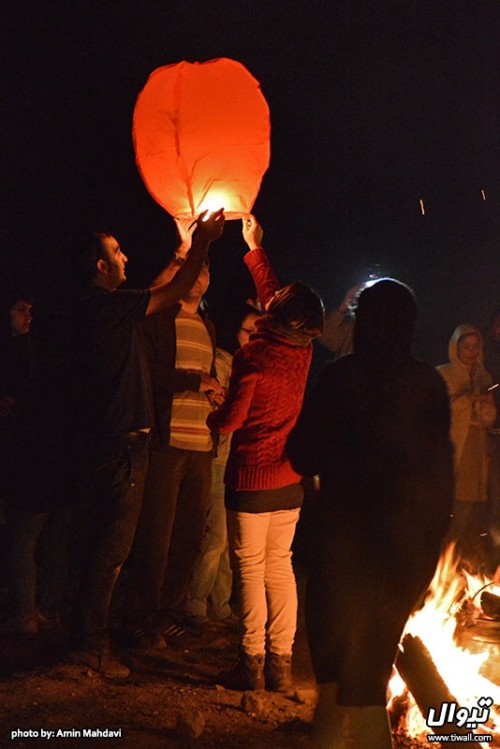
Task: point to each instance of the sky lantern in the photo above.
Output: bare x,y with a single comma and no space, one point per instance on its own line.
201,135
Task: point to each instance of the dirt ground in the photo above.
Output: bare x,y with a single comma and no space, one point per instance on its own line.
169,701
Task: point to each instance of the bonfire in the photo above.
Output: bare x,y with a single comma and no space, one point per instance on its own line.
447,678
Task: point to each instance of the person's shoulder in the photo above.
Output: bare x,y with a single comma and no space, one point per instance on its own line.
445,370
129,302
130,294
223,356
99,295
114,308
429,377
165,315
253,355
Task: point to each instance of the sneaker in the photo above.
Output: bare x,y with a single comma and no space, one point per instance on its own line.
140,639
102,662
278,672
20,626
173,630
231,621
246,675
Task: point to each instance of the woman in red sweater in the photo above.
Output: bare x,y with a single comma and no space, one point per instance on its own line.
263,492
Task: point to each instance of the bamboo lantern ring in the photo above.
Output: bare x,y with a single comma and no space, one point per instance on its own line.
201,135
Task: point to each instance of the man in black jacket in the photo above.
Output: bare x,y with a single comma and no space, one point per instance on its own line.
115,419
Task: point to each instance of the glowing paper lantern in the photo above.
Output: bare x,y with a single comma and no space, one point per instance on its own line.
202,137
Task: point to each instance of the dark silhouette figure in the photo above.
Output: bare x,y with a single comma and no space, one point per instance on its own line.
376,432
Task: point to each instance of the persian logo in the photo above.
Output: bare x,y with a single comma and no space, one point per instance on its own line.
463,717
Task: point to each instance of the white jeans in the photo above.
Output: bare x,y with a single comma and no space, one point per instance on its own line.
261,545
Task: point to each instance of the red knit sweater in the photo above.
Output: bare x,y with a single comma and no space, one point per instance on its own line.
264,399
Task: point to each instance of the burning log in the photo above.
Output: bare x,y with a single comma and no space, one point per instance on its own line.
423,680
490,604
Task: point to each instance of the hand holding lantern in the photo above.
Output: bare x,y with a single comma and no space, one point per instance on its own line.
210,226
252,232
185,230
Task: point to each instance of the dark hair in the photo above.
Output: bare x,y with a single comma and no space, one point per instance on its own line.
88,250
385,318
230,324
298,307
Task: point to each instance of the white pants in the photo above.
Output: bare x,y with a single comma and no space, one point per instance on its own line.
261,544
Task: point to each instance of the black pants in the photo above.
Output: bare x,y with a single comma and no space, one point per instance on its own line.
110,502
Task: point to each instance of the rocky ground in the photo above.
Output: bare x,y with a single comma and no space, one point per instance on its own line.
170,700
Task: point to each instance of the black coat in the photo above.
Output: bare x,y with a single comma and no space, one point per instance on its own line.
376,431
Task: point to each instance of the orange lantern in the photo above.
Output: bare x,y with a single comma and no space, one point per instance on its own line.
202,137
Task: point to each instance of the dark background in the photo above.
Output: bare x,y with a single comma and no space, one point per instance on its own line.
374,105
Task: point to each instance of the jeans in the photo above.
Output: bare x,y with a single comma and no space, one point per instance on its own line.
212,576
170,533
112,493
261,543
45,533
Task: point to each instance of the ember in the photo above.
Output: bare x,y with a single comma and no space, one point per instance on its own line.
449,665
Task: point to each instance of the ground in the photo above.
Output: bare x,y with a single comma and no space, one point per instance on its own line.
169,701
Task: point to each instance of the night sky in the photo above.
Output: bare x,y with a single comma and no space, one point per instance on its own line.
374,105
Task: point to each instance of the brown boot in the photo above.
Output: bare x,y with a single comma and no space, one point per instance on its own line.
246,674
278,672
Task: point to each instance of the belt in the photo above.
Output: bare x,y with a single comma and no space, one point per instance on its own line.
132,438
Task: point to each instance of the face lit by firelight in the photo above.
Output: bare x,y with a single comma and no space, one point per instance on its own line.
115,259
247,328
21,317
469,349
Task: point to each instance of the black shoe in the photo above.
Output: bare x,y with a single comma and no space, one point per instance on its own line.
278,672
102,662
246,675
200,625
196,621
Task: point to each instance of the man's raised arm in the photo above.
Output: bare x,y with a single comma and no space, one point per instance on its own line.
168,288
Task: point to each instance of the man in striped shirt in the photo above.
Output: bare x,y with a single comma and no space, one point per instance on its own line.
181,350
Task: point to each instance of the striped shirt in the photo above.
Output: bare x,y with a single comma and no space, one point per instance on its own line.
194,352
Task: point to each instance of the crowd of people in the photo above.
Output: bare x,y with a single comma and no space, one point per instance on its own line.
143,448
